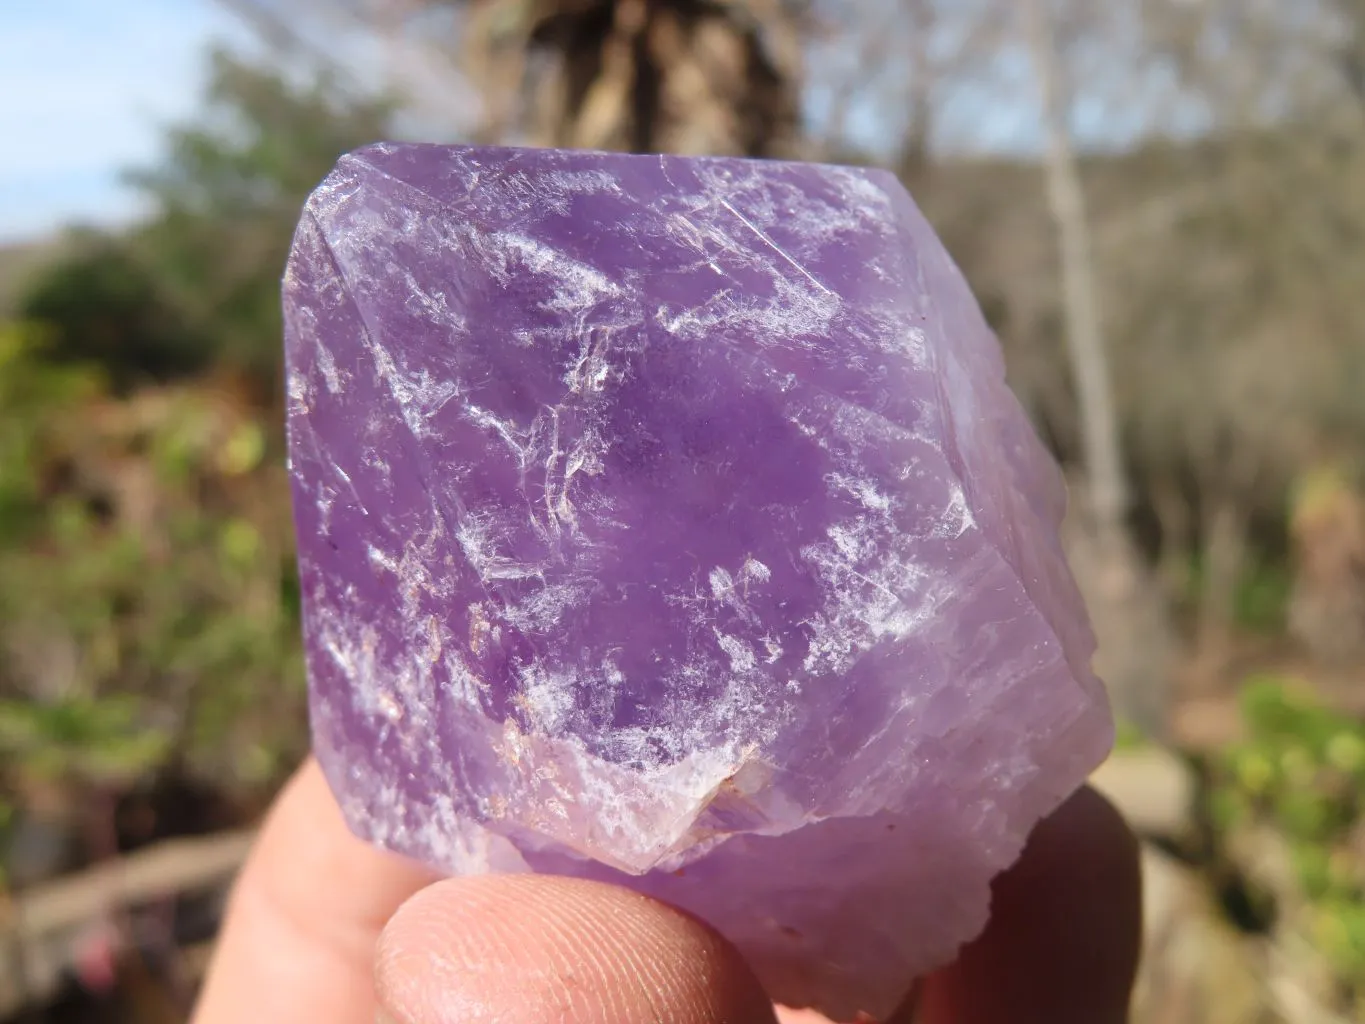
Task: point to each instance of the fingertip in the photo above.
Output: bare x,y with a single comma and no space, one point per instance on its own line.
1063,941
520,949
299,937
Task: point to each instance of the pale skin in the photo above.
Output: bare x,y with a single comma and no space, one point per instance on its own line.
323,928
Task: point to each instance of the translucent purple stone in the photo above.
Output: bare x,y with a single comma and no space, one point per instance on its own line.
669,522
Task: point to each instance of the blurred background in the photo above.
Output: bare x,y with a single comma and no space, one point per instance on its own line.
1160,203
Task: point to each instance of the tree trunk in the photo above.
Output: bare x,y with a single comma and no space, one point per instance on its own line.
913,162
1224,533
1080,294
1172,510
1126,606
689,77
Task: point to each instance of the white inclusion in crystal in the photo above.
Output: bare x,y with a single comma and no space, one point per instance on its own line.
465,686
573,183
544,607
545,192
386,692
390,707
355,660
350,485
853,539
298,389
435,305
794,311
547,697
600,361
327,363
733,589
453,842
773,649
578,285
957,518
754,571
741,655
583,457
418,396
863,489
913,343
869,597
518,441
801,304
863,196
479,533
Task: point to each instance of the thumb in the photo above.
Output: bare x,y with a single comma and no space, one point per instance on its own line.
535,949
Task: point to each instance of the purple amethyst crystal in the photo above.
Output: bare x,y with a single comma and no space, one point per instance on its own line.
669,521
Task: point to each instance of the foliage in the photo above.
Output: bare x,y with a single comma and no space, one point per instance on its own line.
198,283
29,393
100,304
1261,593
1302,769
148,607
91,740
148,600
229,192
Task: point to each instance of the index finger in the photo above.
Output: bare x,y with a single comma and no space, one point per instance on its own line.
299,939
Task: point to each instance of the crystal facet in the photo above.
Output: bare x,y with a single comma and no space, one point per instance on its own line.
669,522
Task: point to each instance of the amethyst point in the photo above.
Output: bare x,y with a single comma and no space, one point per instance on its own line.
669,522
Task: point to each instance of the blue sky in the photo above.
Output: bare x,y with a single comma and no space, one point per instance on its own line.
85,87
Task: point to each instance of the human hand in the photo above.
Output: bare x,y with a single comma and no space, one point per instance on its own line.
325,928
